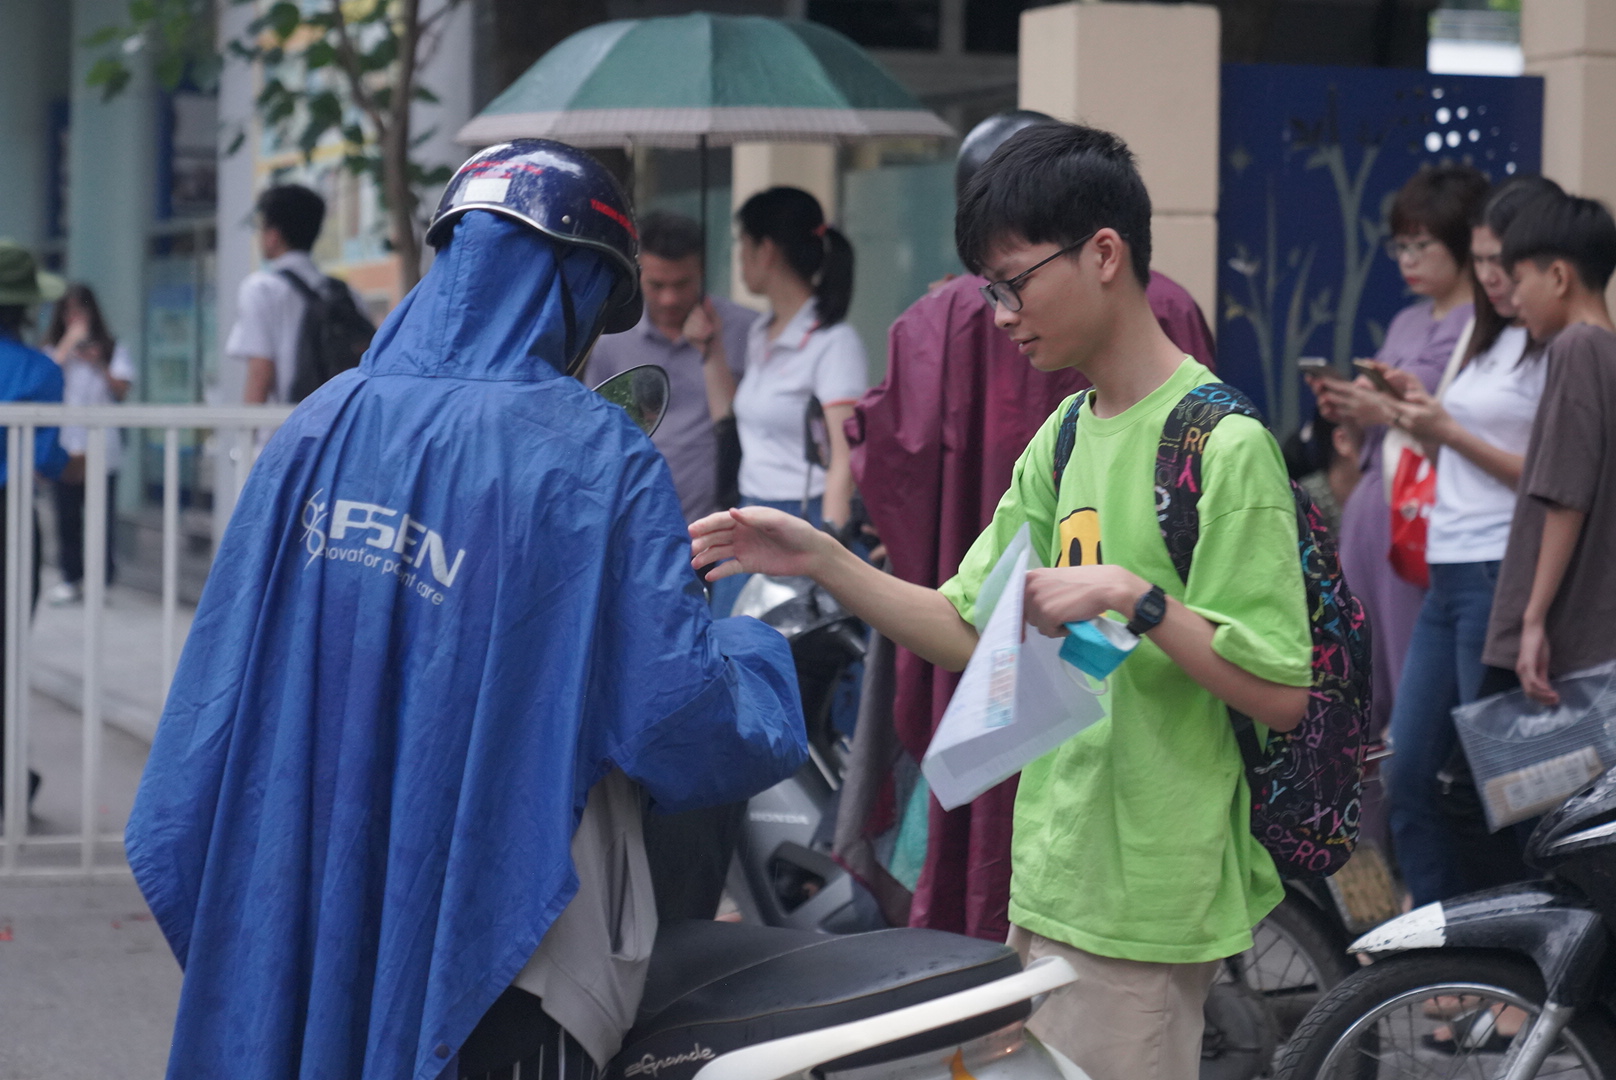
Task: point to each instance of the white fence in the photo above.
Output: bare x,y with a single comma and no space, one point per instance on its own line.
98,852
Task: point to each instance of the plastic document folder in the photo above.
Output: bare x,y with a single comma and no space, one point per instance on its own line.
1528,758
1017,700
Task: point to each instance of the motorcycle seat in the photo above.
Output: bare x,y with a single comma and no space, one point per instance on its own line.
714,987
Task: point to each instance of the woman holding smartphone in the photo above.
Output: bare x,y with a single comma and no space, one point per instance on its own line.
1430,243
1476,433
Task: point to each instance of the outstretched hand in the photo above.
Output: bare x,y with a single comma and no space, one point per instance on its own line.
755,540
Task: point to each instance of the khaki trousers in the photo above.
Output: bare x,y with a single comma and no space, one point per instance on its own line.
1122,1019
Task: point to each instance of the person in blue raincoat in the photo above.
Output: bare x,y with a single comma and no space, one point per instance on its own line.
26,374
450,636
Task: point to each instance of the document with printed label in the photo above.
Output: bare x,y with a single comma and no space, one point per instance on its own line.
1017,700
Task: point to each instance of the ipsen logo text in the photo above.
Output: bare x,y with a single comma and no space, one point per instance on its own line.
407,541
395,531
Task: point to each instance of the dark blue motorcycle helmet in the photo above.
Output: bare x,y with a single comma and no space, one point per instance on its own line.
569,197
987,137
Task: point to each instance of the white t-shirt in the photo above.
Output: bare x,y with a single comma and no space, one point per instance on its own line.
85,383
1494,398
269,317
771,403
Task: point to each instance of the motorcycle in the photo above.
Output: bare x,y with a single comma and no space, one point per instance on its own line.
1513,982
729,1001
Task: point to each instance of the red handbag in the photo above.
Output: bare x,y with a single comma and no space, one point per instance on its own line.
1413,495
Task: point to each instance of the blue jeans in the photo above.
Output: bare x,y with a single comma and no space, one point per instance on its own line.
1443,670
726,591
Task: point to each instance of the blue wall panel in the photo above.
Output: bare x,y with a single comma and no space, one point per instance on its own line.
1310,160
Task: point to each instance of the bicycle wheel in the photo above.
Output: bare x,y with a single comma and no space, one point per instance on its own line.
1385,1022
1295,959
1261,994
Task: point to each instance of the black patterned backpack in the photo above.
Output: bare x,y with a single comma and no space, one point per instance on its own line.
1306,783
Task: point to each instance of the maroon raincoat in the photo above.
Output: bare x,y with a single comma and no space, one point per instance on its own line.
933,449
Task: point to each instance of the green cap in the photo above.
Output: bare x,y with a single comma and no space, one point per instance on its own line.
22,282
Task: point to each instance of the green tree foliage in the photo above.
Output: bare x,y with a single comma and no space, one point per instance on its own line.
347,68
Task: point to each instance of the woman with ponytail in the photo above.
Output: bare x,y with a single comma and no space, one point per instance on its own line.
801,351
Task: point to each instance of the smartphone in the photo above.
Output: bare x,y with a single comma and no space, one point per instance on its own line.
1373,374
1313,365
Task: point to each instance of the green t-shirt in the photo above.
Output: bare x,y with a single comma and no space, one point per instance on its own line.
1133,839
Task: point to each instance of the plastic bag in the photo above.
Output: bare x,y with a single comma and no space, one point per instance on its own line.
1528,758
1413,495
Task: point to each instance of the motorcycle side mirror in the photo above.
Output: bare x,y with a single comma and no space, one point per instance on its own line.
642,392
816,435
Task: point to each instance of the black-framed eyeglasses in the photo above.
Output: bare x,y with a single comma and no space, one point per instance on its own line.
1005,292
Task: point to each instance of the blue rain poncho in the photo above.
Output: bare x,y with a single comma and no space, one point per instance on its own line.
455,593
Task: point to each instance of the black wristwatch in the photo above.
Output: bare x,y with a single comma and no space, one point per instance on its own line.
1148,612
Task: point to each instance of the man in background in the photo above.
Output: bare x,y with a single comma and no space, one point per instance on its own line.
270,308
699,341
933,449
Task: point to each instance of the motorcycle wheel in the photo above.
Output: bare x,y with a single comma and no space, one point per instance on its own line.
1382,1023
1262,994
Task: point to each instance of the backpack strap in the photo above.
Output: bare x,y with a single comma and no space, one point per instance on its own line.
304,289
1178,496
1178,465
1066,439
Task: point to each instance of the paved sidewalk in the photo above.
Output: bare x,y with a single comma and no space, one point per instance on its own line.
88,987
131,655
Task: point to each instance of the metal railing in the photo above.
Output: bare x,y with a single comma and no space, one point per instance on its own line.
22,854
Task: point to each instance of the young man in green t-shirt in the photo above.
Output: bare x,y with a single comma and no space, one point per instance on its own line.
1132,853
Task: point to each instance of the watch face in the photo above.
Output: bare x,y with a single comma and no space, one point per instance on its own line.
1148,611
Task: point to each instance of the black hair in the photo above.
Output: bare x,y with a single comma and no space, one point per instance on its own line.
670,236
13,317
296,213
815,250
83,297
1055,183
1496,214
1444,201
1580,231
1309,448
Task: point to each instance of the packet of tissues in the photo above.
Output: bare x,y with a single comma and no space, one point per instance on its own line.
1098,646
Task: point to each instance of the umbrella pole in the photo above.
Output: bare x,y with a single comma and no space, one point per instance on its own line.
701,151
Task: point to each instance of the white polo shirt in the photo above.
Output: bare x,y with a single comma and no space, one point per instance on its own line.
269,317
805,360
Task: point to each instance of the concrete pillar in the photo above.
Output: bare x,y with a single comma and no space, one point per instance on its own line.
757,167
1148,72
112,179
1572,44
33,72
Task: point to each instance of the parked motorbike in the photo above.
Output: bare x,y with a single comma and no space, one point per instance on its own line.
729,1001
1513,982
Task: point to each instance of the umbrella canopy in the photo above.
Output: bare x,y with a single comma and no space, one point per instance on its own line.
698,79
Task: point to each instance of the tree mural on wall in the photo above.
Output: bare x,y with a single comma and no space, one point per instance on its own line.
1312,158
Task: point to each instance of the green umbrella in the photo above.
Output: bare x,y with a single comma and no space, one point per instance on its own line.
699,80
